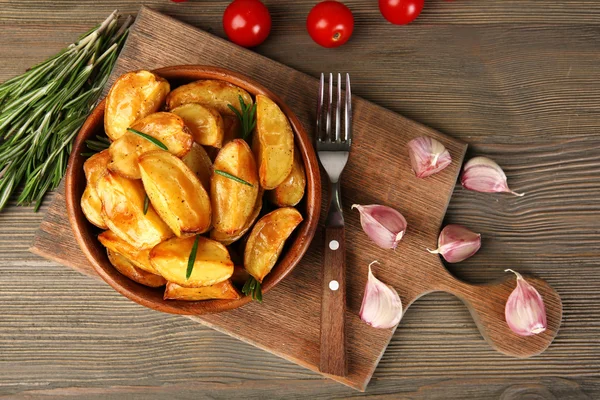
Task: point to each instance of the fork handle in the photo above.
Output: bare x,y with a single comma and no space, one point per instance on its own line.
333,304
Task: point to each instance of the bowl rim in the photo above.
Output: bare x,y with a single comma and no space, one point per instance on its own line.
140,294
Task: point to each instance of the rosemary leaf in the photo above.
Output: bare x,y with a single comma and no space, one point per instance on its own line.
252,287
232,177
149,138
146,204
192,258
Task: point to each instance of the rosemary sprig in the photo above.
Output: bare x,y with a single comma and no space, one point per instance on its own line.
146,204
149,138
252,287
192,258
232,177
246,117
101,143
42,110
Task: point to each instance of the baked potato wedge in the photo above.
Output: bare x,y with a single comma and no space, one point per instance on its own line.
168,128
212,265
123,211
91,205
199,162
267,239
223,290
232,201
175,193
273,143
139,258
291,190
133,96
215,94
229,239
205,124
126,267
232,128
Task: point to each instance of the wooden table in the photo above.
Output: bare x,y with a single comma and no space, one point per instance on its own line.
518,80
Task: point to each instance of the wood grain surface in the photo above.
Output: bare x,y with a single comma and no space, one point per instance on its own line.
518,81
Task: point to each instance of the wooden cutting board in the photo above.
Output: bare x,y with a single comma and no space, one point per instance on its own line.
287,323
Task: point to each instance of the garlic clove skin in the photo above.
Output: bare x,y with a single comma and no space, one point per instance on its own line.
457,243
381,306
482,174
384,225
525,312
427,156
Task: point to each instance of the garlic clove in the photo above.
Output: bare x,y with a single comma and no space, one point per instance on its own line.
384,225
525,312
457,243
482,174
427,156
381,306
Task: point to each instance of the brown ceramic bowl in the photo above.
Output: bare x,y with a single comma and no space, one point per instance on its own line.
86,233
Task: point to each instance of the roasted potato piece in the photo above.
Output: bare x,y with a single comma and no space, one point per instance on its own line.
215,94
223,290
228,239
168,128
291,190
126,267
123,211
91,206
212,265
133,96
267,239
232,201
273,143
205,123
199,162
139,258
175,193
232,128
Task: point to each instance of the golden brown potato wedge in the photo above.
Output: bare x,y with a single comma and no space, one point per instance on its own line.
232,128
212,265
215,94
291,190
273,143
199,162
267,239
229,239
91,206
223,290
139,258
123,211
168,128
133,96
205,124
175,193
232,201
126,267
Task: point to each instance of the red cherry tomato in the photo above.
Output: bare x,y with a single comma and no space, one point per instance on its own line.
247,22
401,12
330,23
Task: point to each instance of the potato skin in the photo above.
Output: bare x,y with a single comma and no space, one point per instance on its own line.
232,128
273,143
267,239
123,211
133,96
229,239
175,193
223,290
211,93
212,265
205,124
168,128
139,258
200,163
126,267
233,202
291,190
91,205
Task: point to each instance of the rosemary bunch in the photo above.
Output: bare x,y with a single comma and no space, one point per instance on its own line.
42,110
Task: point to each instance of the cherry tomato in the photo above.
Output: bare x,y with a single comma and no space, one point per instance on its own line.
401,12
330,23
247,22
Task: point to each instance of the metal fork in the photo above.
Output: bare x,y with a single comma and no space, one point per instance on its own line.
333,150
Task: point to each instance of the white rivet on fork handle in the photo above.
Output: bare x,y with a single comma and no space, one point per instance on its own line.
334,245
334,285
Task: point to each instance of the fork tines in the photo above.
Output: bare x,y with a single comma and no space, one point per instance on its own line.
326,104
